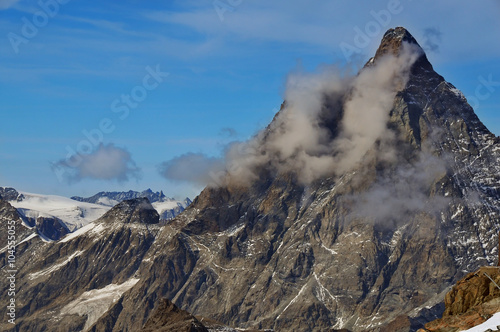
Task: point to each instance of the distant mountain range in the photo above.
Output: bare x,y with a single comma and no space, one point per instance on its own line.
167,207
111,198
51,216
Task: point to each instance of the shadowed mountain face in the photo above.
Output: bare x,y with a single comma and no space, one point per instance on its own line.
137,210
400,212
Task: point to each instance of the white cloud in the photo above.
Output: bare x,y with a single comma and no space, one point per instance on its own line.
402,191
367,108
196,168
106,162
329,122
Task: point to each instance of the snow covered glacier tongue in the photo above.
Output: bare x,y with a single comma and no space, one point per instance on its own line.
354,248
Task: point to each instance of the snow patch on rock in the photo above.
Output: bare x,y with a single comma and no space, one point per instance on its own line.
55,267
96,302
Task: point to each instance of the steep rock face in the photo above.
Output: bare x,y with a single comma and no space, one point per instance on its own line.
8,212
476,288
375,247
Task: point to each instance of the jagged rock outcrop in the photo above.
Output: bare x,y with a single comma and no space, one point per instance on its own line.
167,317
8,212
10,194
470,302
476,288
375,247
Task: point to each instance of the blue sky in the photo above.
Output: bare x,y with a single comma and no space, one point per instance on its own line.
198,75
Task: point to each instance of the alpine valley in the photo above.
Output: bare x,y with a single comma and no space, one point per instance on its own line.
358,230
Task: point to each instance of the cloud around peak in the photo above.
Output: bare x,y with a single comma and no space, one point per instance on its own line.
329,121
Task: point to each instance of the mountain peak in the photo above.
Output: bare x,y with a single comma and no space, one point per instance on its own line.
393,40
136,210
399,33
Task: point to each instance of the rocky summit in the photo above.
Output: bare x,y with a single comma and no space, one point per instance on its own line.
137,210
372,242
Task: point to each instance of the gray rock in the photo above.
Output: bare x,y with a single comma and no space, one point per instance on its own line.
10,194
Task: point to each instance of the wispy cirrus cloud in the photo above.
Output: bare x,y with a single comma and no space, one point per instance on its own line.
268,23
305,24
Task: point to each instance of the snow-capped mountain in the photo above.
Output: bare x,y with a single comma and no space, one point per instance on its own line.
51,216
55,216
370,247
74,214
167,207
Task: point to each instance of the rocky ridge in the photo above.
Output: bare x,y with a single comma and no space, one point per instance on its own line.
8,214
104,197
